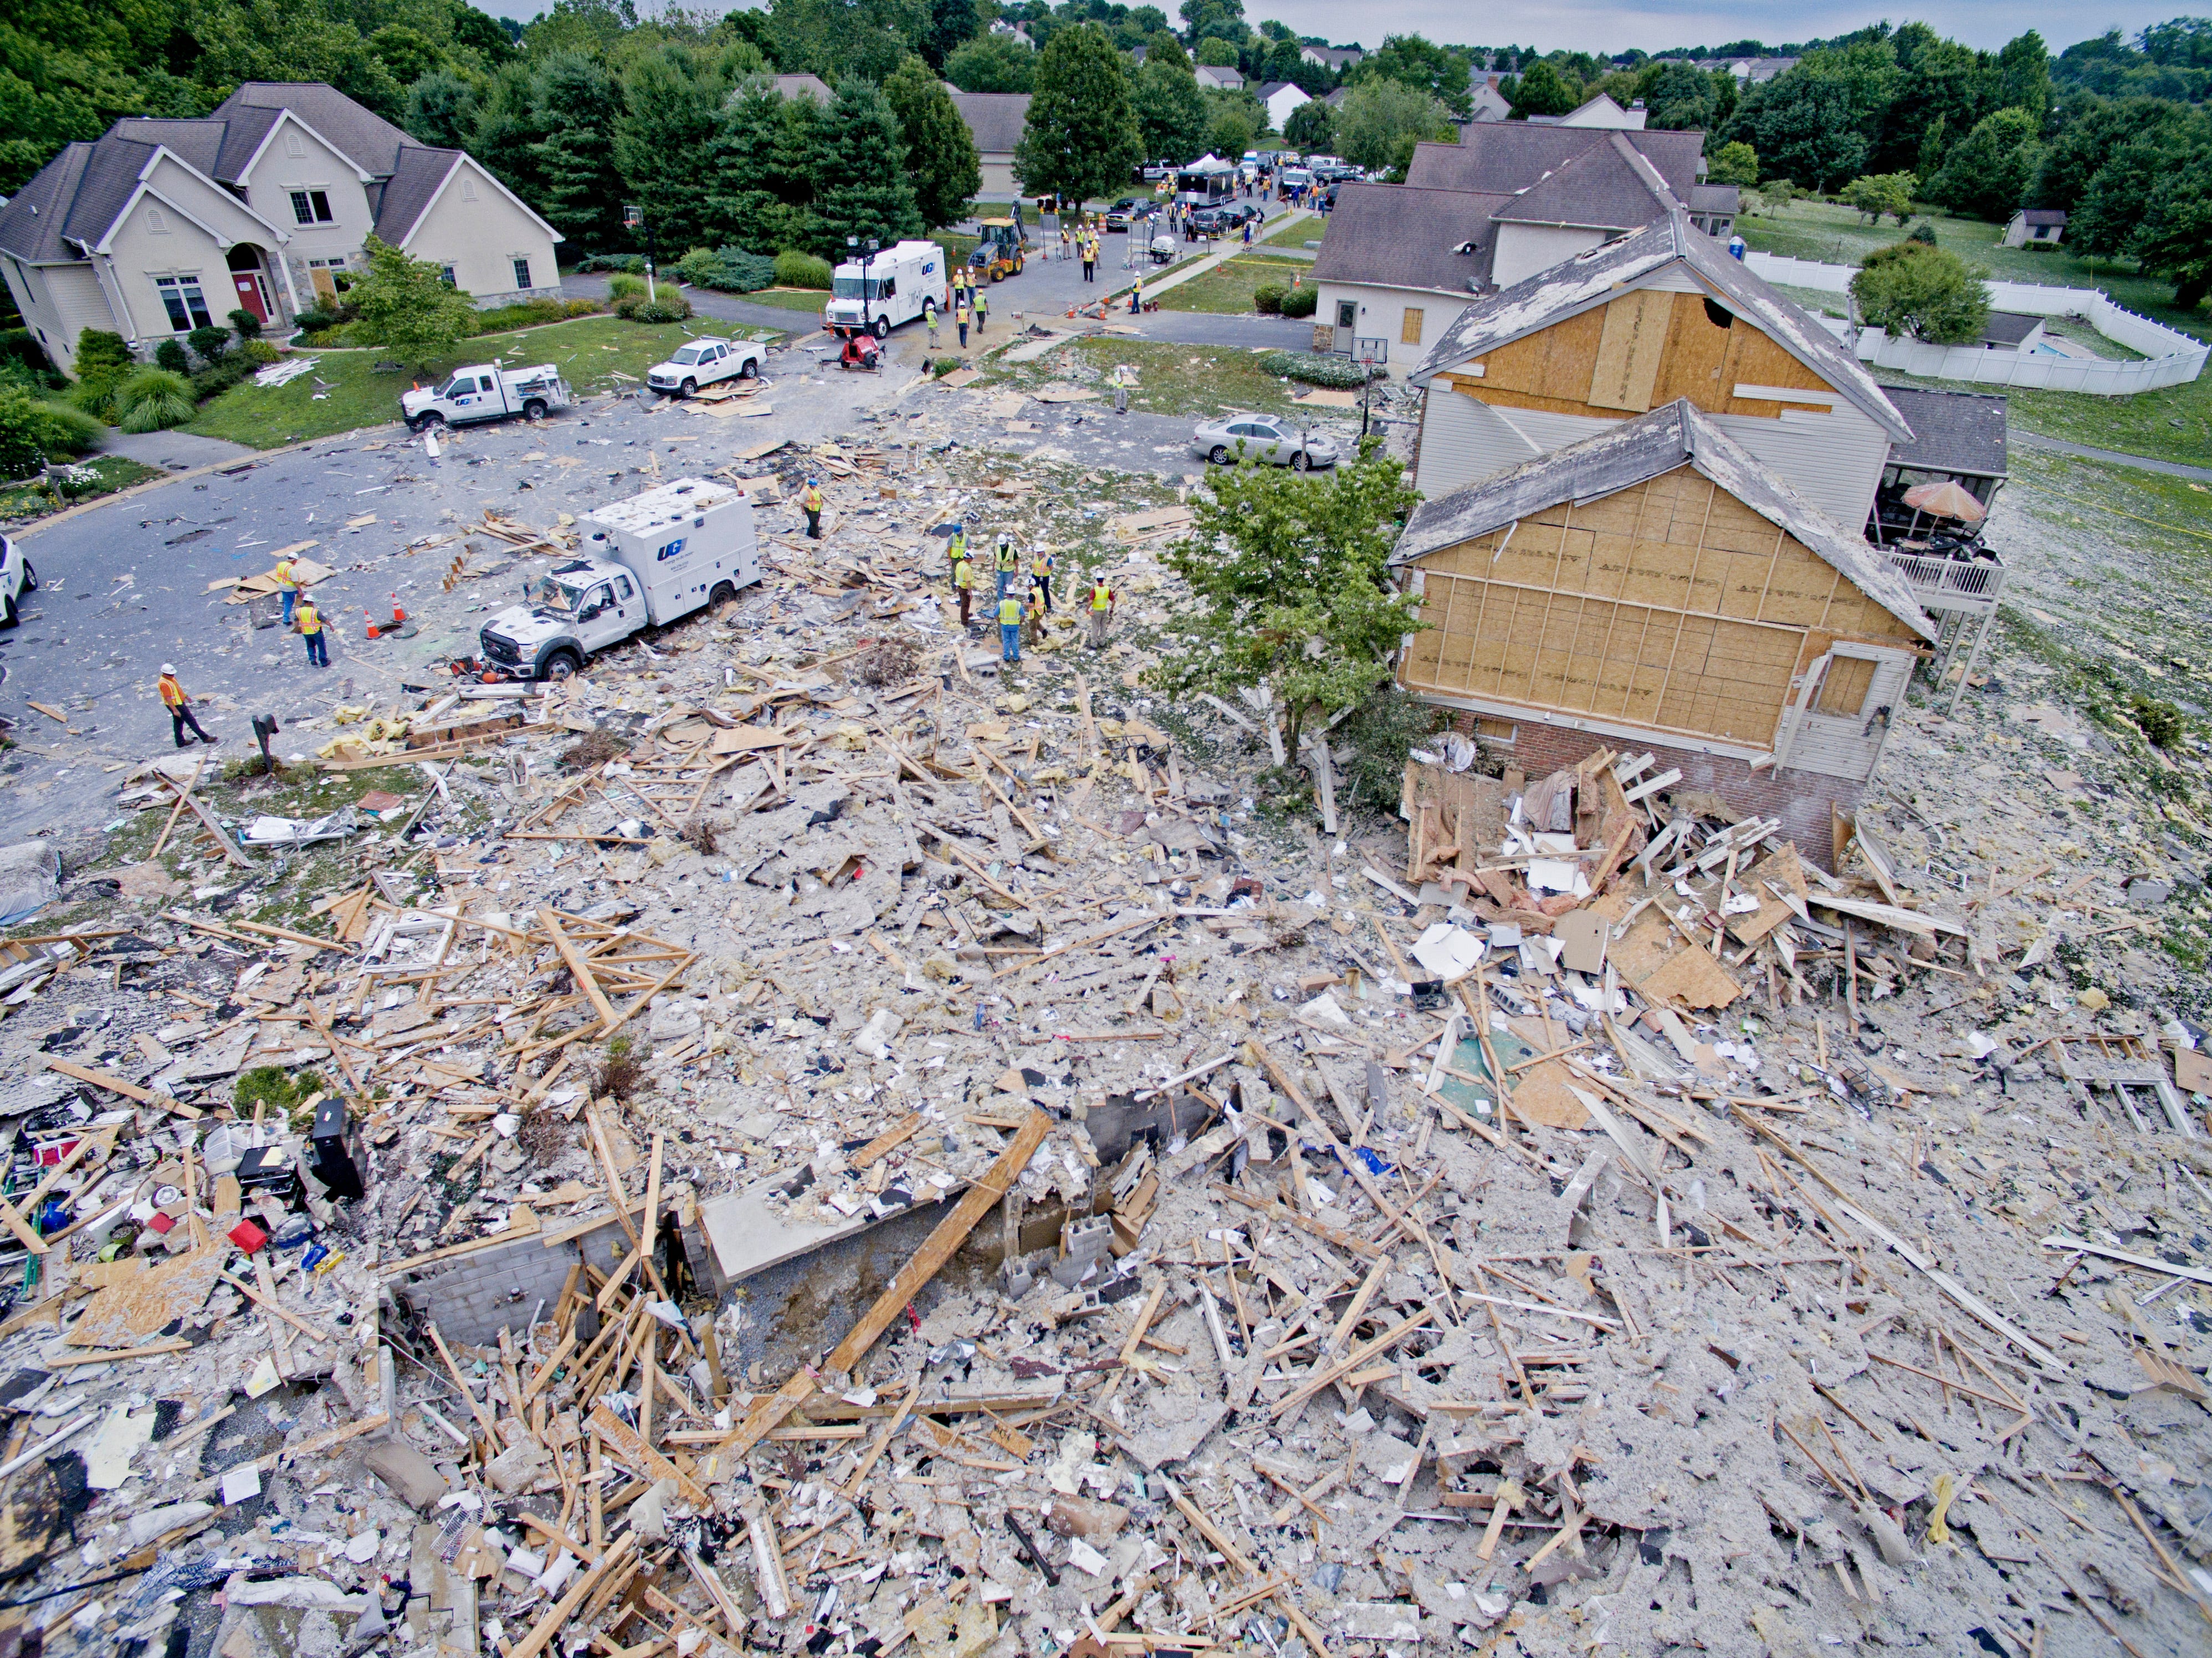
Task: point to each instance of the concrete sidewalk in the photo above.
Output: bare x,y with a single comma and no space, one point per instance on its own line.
175,451
2115,457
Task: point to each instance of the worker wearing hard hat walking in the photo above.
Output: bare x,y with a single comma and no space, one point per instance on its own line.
963,582
1006,562
180,708
288,584
1041,568
810,502
955,549
1010,629
311,629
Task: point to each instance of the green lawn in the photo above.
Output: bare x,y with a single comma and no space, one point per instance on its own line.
1302,228
21,505
1229,286
1837,235
589,352
1171,379
788,298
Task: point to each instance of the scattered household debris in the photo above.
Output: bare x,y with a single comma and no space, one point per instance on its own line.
762,1147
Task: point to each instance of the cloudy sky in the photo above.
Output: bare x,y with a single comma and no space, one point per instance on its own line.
1654,25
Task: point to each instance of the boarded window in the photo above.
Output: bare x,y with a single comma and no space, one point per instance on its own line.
1629,350
1409,331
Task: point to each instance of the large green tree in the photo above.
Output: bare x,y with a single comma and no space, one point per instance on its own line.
992,62
1986,174
1681,96
861,187
405,306
1442,72
1922,292
442,110
1541,91
1817,123
761,190
1290,586
1381,120
2174,240
574,107
1171,111
834,39
1311,129
2111,210
1082,138
952,24
941,162
2024,75
664,139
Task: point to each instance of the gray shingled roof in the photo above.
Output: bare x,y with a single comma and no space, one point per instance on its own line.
804,86
1610,187
1956,431
1509,156
2009,327
1398,236
410,189
1632,452
59,201
1590,279
2043,215
366,138
995,119
1715,199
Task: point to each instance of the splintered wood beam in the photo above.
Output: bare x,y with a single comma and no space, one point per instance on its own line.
926,1263
578,968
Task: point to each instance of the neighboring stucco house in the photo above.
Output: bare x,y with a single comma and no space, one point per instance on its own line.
1279,98
1487,101
1222,80
159,226
1335,59
995,121
2035,226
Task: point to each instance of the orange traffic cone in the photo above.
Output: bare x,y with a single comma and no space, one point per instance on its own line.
399,616
368,621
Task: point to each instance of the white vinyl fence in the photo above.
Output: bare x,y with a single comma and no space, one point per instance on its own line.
2173,357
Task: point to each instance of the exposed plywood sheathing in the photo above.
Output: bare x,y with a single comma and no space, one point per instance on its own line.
1581,365
1629,350
1668,604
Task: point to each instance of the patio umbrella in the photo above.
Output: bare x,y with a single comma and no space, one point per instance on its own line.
1949,499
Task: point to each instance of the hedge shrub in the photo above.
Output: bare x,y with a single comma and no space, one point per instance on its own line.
1267,299
213,378
33,433
103,359
1301,302
532,313
208,344
621,287
795,269
632,263
1314,368
171,355
671,307
731,270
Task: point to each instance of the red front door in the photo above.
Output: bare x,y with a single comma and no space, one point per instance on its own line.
249,293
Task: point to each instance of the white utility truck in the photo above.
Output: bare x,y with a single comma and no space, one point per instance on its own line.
645,561
890,292
484,390
702,362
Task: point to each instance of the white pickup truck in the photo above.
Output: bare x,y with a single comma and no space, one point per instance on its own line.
485,390
702,362
646,562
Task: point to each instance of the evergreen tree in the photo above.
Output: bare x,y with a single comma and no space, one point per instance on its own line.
505,134
574,104
834,39
2175,237
940,152
1082,139
1311,129
1170,110
664,142
742,199
441,110
861,187
1541,91
952,24
2024,75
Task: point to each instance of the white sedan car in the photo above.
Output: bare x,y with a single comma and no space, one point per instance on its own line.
702,362
1262,437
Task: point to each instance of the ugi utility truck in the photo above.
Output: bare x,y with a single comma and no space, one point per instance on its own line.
484,390
888,291
644,563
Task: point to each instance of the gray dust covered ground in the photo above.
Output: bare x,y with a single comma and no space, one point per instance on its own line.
1195,1284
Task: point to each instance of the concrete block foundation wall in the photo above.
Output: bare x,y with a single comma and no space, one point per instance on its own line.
1802,801
473,1297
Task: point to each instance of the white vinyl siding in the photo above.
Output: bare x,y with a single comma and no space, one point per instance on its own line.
1850,746
1524,250
1462,443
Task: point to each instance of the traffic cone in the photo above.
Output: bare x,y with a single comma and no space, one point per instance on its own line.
369,623
399,616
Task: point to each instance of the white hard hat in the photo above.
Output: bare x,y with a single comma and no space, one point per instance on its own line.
166,670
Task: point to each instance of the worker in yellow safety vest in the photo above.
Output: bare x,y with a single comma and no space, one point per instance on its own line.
956,547
1102,611
180,708
311,629
1040,568
1010,629
963,583
1006,562
810,502
288,584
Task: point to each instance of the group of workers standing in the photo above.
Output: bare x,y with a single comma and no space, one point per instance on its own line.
301,616
971,304
1017,613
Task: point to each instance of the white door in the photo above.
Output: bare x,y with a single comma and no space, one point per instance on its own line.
1845,704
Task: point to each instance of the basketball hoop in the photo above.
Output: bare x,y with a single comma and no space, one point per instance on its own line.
633,215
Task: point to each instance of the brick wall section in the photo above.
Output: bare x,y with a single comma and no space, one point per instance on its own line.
1800,800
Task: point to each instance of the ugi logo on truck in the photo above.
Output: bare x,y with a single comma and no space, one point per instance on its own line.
674,549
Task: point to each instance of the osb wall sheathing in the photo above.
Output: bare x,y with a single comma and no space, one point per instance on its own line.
1670,604
1638,352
